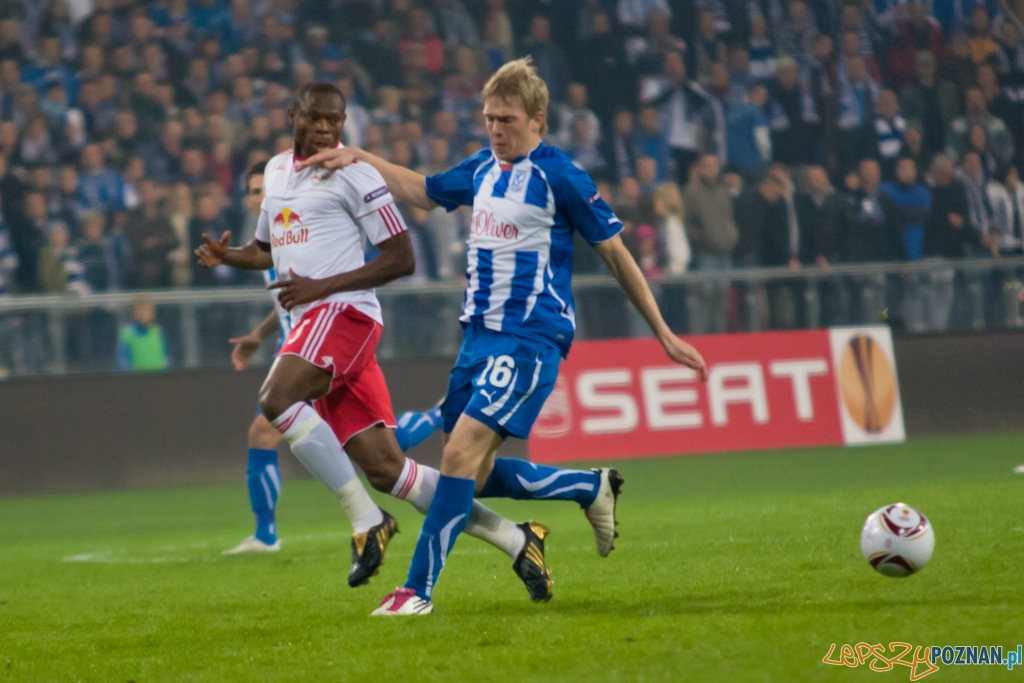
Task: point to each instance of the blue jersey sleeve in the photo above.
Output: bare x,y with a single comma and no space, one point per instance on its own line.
585,210
456,187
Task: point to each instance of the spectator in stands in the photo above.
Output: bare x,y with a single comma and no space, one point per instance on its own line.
872,232
647,174
59,271
972,175
141,344
565,116
685,113
582,149
820,212
1006,197
99,188
649,141
933,101
798,35
762,54
793,117
620,148
983,44
8,261
708,48
548,57
1000,142
948,234
748,137
913,145
713,235
912,202
180,214
918,32
858,97
150,239
1005,103
101,268
890,128
669,206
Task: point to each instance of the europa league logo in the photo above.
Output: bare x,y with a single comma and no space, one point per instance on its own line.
868,384
555,420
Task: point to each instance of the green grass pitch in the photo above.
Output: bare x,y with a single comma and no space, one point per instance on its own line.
739,567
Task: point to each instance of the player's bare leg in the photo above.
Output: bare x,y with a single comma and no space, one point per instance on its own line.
292,382
264,484
387,469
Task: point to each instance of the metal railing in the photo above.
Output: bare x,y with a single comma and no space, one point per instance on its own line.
68,333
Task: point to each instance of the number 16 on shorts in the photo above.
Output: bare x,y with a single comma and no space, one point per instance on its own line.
510,389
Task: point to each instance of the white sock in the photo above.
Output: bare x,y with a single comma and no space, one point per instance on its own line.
313,442
417,484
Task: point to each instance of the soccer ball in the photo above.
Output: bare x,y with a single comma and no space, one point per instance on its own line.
897,540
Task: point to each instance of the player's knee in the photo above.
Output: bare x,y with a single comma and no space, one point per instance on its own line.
457,461
382,478
273,403
263,435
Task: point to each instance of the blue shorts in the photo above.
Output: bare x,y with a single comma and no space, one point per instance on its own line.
500,380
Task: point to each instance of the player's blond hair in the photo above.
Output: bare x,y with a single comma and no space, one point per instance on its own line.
517,82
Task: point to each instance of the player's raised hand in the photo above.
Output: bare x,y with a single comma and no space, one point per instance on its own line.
244,349
211,252
331,158
297,290
685,354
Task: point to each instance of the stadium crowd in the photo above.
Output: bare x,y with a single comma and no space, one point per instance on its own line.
725,133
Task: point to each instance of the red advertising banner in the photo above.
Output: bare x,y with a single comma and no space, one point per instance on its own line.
624,398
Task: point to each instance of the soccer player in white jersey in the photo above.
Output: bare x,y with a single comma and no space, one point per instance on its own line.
519,320
262,473
310,226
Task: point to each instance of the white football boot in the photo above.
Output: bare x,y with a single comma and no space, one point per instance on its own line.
403,602
254,545
601,512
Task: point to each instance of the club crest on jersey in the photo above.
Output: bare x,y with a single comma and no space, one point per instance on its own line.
287,218
518,181
321,176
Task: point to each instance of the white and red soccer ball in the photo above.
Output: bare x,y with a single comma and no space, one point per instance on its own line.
897,540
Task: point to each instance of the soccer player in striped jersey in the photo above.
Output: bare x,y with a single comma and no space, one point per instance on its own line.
325,393
519,318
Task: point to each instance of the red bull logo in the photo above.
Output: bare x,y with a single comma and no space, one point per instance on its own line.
300,236
287,218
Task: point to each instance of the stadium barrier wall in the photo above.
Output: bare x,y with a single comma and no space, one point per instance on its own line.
109,431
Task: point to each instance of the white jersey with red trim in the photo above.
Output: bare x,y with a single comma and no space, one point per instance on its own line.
314,220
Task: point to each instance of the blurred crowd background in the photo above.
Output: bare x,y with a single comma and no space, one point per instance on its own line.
725,134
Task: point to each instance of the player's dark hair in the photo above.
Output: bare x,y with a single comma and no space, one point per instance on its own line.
317,88
256,169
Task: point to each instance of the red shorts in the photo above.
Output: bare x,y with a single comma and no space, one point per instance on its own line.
342,340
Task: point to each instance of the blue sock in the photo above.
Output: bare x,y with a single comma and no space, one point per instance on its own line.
415,428
523,480
446,519
263,479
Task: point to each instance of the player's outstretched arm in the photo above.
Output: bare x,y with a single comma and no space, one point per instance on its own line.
396,260
631,278
406,185
252,256
247,345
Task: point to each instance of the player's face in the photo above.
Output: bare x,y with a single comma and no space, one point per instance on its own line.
513,134
317,121
254,194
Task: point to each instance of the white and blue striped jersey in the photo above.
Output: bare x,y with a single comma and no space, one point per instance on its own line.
520,241
283,317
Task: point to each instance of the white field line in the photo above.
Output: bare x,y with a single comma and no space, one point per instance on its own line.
168,556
